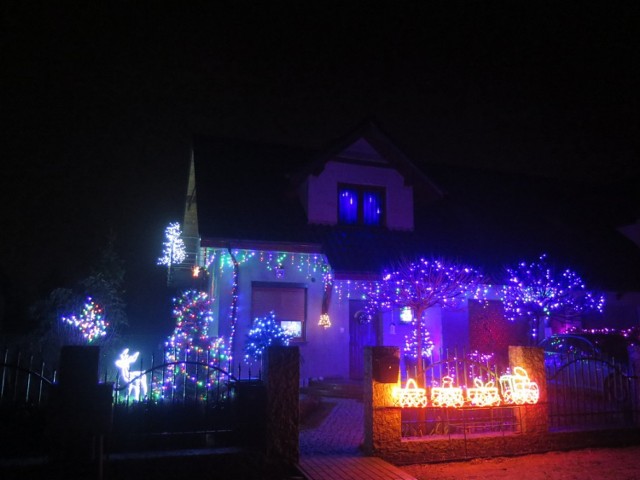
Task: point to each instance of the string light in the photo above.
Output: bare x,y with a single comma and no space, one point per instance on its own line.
447,395
136,379
265,332
324,321
518,388
174,251
90,322
483,394
191,340
515,388
420,285
534,291
411,396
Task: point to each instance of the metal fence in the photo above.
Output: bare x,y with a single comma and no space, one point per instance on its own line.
193,401
590,393
25,378
26,382
583,393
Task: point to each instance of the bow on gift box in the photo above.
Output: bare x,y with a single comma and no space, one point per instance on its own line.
483,394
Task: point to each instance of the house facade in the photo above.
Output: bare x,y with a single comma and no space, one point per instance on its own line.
303,233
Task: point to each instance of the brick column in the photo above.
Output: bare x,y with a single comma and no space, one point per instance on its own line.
382,421
535,418
282,380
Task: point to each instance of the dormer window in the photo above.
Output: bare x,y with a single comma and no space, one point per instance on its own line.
361,205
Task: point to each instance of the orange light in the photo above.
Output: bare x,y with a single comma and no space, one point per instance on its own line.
518,389
483,395
447,395
410,396
324,321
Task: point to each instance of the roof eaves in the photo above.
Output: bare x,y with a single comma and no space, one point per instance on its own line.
246,244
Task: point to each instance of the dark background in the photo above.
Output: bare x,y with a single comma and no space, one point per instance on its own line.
100,101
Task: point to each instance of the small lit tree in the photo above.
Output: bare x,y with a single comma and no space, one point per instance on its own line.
411,344
266,332
91,311
420,285
88,325
536,291
174,251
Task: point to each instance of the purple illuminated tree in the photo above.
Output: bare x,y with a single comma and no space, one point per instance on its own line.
536,292
420,285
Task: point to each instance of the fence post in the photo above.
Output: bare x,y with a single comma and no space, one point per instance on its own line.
634,364
81,412
382,421
535,418
282,381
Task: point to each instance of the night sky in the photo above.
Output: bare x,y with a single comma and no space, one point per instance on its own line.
100,101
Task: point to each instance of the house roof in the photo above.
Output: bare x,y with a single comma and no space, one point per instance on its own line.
246,194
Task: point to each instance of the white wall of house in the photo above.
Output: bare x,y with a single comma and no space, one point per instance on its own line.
321,349
622,310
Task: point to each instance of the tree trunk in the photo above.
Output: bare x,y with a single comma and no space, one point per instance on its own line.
419,337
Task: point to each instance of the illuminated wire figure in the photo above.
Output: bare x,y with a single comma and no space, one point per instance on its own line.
483,394
136,379
410,395
518,389
447,395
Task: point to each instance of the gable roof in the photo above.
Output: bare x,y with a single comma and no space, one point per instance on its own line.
365,144
246,195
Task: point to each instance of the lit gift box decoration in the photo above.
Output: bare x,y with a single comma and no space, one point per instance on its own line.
447,395
517,388
411,396
483,394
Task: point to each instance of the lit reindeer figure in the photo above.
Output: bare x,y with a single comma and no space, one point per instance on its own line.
136,379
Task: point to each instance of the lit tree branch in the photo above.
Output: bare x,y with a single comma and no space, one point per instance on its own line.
420,285
174,251
534,291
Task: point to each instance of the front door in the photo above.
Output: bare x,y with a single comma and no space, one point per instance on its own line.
362,333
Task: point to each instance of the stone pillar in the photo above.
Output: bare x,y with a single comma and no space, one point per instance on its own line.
382,420
535,418
634,364
81,413
282,379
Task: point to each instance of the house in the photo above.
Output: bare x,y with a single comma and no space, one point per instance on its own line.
301,232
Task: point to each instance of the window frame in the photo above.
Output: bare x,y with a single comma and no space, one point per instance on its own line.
361,190
283,285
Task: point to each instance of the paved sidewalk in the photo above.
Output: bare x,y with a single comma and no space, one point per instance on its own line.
341,432
333,449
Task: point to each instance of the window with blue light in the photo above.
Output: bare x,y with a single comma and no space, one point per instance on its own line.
360,205
348,209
